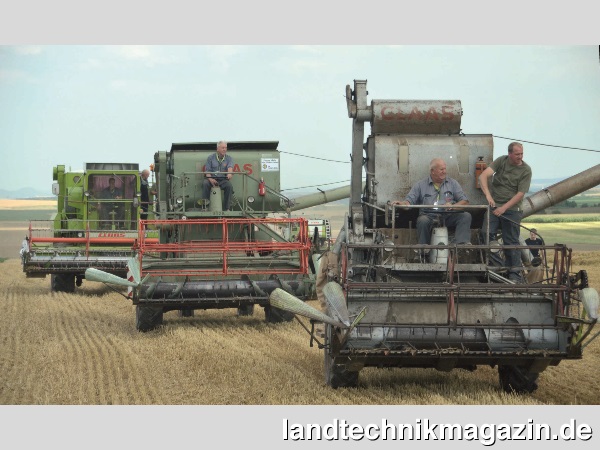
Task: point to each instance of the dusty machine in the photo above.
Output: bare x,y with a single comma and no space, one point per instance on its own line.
210,258
454,308
95,225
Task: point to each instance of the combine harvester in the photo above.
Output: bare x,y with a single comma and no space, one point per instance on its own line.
455,309
208,258
92,227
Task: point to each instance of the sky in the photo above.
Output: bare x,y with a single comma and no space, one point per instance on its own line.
76,102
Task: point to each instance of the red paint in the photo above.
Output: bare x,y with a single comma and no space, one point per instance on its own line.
416,115
236,168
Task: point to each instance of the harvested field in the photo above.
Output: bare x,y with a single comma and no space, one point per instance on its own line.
83,349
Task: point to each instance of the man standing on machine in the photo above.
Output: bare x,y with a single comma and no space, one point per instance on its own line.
505,193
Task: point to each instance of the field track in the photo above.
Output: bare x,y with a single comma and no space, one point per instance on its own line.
83,349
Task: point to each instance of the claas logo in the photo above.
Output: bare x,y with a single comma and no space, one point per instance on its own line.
236,168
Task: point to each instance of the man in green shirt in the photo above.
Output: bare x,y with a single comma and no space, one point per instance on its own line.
510,179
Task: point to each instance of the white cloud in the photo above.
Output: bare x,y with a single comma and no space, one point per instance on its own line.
216,89
136,52
28,50
221,55
307,49
140,88
147,54
7,76
91,64
299,66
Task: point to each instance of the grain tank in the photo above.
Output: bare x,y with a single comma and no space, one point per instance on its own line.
454,308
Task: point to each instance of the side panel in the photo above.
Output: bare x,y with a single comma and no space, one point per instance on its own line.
402,160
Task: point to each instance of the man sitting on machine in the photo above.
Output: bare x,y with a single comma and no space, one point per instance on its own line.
439,189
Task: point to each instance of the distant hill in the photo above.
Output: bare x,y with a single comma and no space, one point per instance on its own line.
25,193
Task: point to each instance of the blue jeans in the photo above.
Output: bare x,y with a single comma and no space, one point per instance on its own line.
461,221
509,223
225,185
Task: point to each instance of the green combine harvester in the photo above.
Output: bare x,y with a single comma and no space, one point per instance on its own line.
206,257
96,225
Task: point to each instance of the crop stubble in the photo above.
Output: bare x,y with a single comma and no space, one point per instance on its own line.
83,349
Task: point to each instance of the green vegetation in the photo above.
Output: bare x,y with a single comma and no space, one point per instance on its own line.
562,218
566,233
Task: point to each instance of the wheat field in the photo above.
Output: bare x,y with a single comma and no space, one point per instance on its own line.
83,349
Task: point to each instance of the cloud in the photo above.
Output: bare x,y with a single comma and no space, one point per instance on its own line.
28,50
7,76
215,89
141,88
147,54
221,55
300,66
92,64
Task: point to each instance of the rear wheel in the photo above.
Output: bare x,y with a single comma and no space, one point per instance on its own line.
148,317
336,375
62,282
517,380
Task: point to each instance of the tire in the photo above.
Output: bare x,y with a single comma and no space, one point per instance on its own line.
185,312
336,375
148,318
245,310
517,380
62,282
276,315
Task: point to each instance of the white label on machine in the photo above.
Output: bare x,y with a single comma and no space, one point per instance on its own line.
315,222
269,164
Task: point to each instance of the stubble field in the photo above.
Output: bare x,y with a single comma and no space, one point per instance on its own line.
83,349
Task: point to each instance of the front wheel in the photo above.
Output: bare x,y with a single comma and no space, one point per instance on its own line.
276,315
185,312
148,318
62,282
245,310
517,380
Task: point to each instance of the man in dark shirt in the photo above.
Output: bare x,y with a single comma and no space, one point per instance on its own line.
504,184
110,211
534,241
145,194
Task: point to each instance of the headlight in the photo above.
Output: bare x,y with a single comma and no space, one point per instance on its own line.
250,199
80,234
179,200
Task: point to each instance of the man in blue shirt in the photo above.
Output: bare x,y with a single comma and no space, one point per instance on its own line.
215,163
438,189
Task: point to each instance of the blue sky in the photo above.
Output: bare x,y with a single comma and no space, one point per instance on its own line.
72,104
